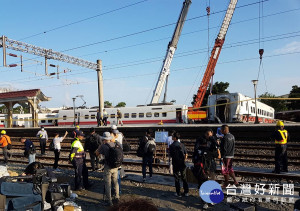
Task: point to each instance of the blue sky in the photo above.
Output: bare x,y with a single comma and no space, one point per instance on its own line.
130,73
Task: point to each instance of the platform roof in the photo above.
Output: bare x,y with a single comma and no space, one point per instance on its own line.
23,95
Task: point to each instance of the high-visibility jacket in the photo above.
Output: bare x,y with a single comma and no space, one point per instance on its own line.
4,141
77,150
283,137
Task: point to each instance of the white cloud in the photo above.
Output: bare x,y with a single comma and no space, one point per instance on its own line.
289,48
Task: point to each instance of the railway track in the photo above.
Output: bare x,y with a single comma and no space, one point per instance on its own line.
252,176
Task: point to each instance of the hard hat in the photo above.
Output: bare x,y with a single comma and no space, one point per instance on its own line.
114,127
3,132
77,126
118,109
280,124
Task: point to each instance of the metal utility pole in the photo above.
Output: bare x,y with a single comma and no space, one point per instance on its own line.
255,86
74,98
4,50
100,87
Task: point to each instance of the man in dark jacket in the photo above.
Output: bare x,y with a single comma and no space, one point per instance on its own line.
148,152
179,155
29,150
205,151
92,143
281,137
227,152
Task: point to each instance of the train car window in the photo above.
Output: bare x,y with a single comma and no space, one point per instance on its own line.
141,115
112,116
86,116
164,114
43,121
133,115
148,114
2,120
75,116
93,116
156,114
50,121
156,108
64,117
241,103
126,115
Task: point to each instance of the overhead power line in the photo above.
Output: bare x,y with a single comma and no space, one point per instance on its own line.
154,28
82,20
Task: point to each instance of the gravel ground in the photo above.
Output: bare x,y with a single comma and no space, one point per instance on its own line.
161,195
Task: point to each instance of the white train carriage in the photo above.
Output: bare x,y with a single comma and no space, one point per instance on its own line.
2,120
131,115
235,107
25,120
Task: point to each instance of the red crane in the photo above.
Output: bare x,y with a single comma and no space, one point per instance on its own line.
210,69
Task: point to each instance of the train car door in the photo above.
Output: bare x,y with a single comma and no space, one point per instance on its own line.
222,111
179,115
77,118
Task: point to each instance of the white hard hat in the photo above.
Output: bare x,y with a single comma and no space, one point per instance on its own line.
114,127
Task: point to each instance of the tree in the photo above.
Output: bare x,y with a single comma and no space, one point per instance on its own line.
107,104
294,93
121,104
218,88
278,105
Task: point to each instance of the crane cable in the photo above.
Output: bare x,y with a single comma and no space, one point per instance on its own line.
261,44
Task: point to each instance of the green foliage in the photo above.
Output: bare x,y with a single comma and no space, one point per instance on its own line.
121,104
218,88
294,93
107,104
278,105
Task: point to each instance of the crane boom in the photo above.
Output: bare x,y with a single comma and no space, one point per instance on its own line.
165,70
209,72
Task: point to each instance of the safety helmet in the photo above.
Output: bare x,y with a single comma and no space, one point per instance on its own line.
77,127
279,124
3,132
114,127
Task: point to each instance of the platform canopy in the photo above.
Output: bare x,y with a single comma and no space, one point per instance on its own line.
33,97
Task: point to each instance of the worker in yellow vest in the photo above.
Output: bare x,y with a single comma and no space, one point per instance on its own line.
77,158
281,136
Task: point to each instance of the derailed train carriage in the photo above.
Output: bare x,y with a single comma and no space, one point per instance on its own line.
236,107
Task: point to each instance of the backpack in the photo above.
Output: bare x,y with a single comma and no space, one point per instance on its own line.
51,146
178,156
115,156
93,143
151,146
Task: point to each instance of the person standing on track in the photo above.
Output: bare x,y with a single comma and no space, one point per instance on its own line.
105,116
113,157
170,141
99,118
77,158
227,154
281,137
119,117
92,143
205,151
29,150
179,155
76,131
147,143
56,141
4,142
43,136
